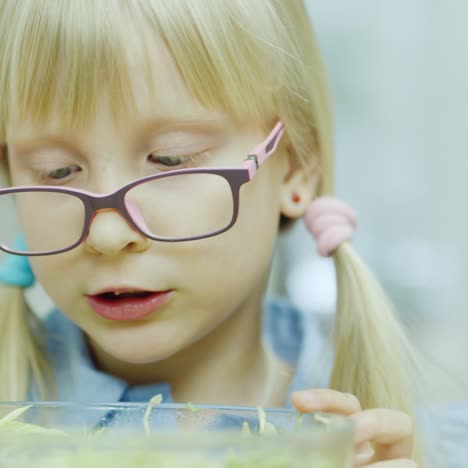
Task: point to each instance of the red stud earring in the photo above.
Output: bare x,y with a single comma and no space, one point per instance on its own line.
296,198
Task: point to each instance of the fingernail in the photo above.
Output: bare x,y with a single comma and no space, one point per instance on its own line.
306,399
365,427
363,457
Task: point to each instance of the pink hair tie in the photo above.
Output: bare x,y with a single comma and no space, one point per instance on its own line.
331,222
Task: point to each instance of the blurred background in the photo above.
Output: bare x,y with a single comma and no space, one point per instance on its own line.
398,73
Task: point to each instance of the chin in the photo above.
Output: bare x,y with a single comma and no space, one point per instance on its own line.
140,351
138,359
145,344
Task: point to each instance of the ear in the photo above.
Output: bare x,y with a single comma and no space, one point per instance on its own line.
299,188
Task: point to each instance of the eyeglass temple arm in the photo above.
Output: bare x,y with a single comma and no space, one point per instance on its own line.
264,150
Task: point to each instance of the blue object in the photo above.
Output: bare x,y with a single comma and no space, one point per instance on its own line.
15,270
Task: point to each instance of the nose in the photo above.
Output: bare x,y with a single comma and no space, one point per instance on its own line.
111,235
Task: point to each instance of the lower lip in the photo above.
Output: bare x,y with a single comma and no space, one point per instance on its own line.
129,309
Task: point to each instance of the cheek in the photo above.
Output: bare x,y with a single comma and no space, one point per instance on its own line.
241,257
46,270
29,220
59,280
260,208
50,221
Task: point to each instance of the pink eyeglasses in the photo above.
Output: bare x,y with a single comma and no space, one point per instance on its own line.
173,206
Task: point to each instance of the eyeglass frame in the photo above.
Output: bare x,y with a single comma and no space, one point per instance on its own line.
94,202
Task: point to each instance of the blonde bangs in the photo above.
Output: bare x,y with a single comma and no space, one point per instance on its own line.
224,57
57,55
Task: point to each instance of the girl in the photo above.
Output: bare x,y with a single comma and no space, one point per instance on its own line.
127,132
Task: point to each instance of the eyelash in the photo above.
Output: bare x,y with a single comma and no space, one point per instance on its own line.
45,175
185,160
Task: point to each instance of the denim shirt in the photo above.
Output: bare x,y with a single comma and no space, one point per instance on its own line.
297,338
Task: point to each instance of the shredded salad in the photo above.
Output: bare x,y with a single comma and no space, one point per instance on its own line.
53,448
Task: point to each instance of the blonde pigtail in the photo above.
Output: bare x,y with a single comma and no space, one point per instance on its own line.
374,359
22,358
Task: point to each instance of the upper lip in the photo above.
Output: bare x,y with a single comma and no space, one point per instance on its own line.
121,290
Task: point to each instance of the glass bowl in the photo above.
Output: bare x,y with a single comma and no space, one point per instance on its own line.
124,435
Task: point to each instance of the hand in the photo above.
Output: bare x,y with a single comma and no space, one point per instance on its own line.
389,431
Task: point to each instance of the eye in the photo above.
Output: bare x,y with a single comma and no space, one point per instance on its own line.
182,160
169,161
61,173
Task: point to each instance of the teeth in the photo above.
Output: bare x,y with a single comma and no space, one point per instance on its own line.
117,293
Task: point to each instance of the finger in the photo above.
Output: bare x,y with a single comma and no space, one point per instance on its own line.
325,400
363,450
390,431
365,457
401,463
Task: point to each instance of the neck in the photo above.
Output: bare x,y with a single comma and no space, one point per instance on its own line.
228,366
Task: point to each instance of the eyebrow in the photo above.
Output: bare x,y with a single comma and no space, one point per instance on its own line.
209,126
155,126
25,146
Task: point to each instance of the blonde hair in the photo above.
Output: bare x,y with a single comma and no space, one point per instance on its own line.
255,60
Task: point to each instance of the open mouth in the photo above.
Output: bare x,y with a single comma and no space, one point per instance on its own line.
128,305
118,296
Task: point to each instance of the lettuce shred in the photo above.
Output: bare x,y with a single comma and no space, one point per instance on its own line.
155,401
